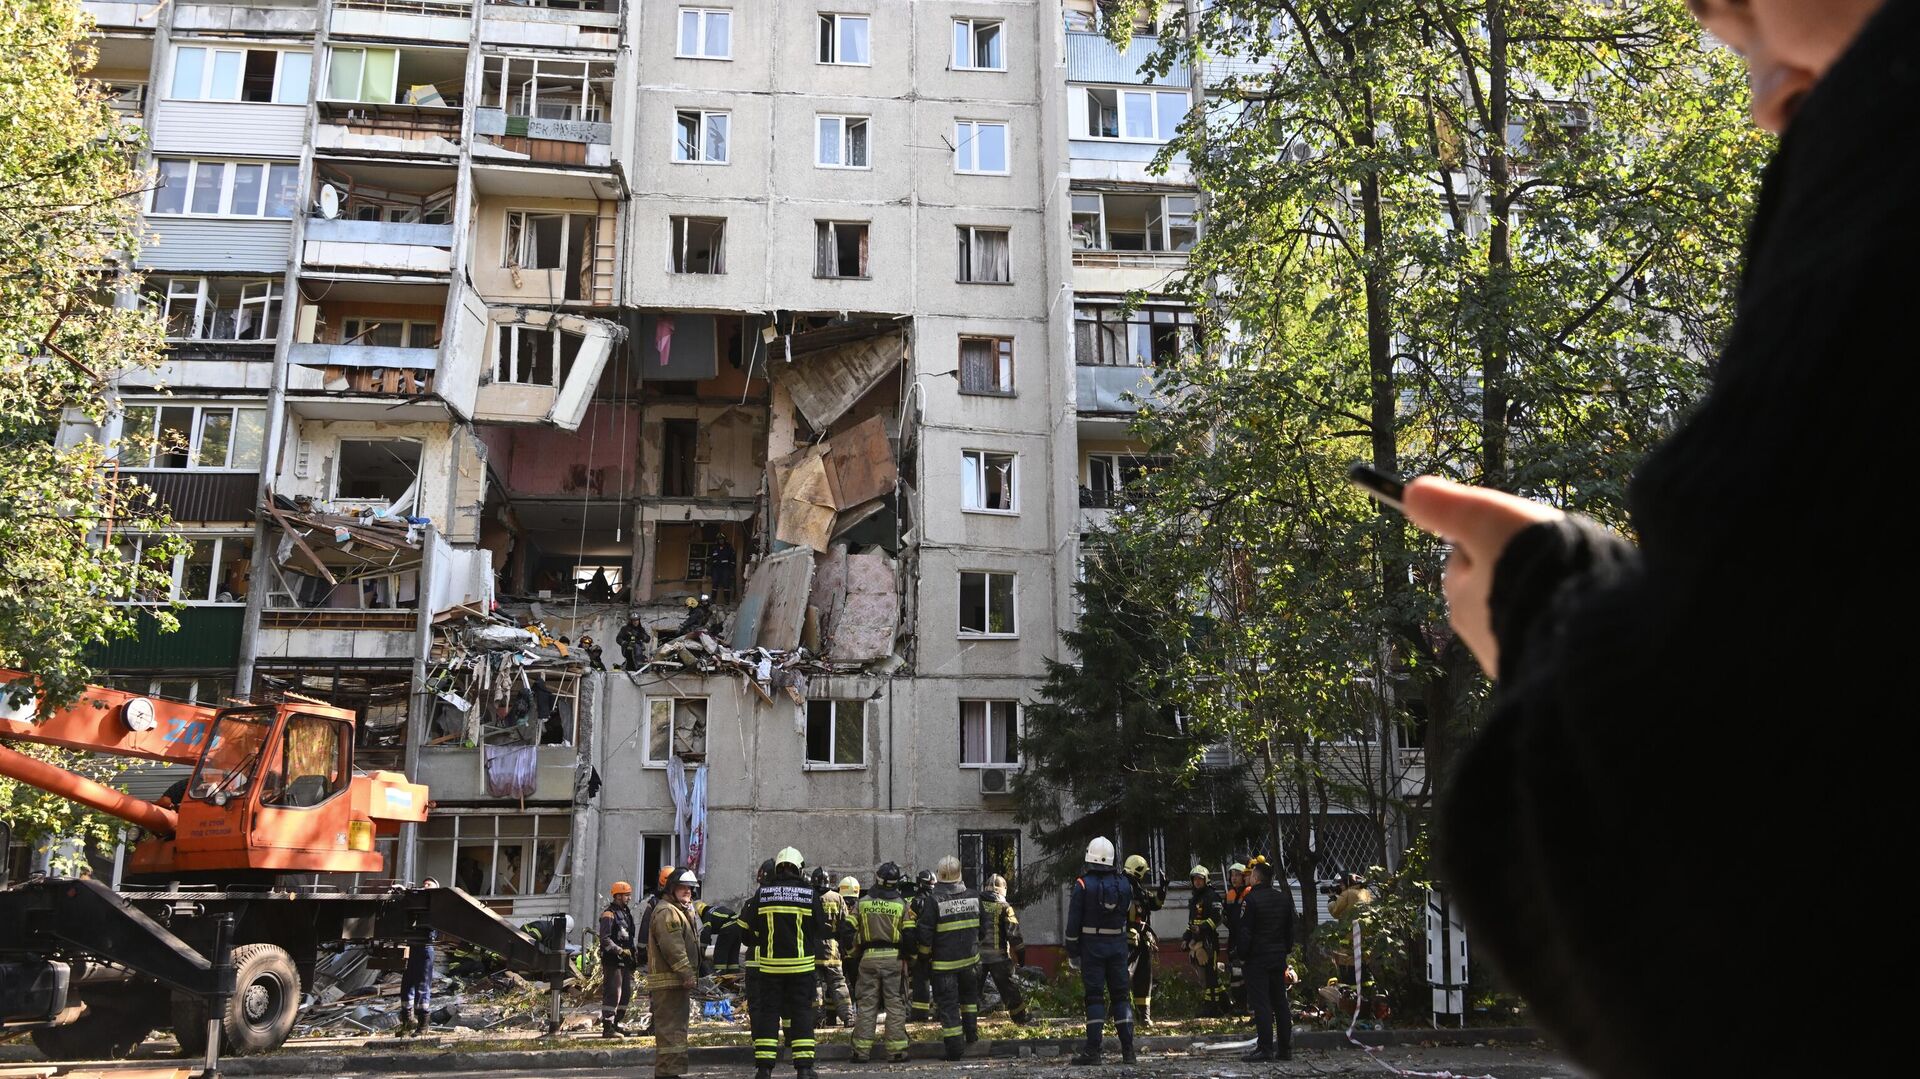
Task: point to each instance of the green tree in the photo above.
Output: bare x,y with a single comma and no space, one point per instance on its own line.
68,231
1490,240
1106,751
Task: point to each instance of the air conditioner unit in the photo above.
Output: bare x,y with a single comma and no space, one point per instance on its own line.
998,781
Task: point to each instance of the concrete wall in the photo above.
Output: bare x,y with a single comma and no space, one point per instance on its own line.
308,463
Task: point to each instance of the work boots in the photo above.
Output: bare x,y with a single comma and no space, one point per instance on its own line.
611,1029
858,1056
1125,1031
1090,1053
898,1056
405,1028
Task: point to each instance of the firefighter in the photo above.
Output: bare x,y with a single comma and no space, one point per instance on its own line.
717,929
617,959
920,972
849,889
1142,941
878,919
1097,939
1202,939
999,940
632,640
947,921
782,920
1230,912
832,998
673,965
751,965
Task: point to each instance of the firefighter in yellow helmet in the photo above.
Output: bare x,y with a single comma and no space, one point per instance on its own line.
1141,939
782,921
1202,939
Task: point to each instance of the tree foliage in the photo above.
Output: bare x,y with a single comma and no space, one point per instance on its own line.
1494,241
68,230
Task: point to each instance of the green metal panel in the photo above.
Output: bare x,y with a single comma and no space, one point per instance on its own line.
208,637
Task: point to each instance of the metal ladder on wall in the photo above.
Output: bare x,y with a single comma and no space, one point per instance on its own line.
604,245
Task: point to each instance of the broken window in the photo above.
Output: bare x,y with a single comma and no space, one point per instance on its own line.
983,854
679,440
841,142
989,733
676,727
840,249
986,365
192,436
836,734
697,245
986,481
535,355
985,256
976,45
986,604
700,137
980,146
547,89
1117,222
547,241
1106,335
843,39
1111,475
204,73
376,470
390,332
499,856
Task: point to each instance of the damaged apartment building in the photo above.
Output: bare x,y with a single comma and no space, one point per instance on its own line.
495,322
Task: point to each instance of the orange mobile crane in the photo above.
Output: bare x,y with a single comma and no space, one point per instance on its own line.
273,793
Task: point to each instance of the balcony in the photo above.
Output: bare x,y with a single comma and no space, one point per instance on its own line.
546,111
403,20
269,17
1104,390
405,248
1092,58
124,14
553,24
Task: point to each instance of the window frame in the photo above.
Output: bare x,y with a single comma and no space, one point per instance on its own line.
832,226
1121,113
974,25
229,170
562,364
838,42
976,462
966,272
703,14
988,706
981,837
1103,237
408,327
999,356
212,49
508,232
563,868
206,306
965,143
177,569
844,141
700,145
1141,315
835,706
677,246
986,585
646,731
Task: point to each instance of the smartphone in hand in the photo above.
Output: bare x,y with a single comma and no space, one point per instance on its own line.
1387,490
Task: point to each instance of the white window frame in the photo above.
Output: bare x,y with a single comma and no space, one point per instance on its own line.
1103,239
1122,111
988,706
844,123
177,569
563,865
267,295
699,148
973,26
677,238
835,707
351,327
228,170
702,15
212,49
506,361
646,729
986,584
585,106
510,258
974,465
837,19
966,155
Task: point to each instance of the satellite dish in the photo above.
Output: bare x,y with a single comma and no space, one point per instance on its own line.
329,201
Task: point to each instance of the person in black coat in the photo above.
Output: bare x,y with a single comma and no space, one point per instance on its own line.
1262,944
1657,704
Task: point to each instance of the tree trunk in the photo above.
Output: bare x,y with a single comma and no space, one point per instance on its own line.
1495,360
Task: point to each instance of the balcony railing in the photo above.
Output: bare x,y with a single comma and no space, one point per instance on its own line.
456,8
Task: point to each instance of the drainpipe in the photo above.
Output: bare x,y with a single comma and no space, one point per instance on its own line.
420,715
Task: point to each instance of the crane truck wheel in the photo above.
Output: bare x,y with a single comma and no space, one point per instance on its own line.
266,997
